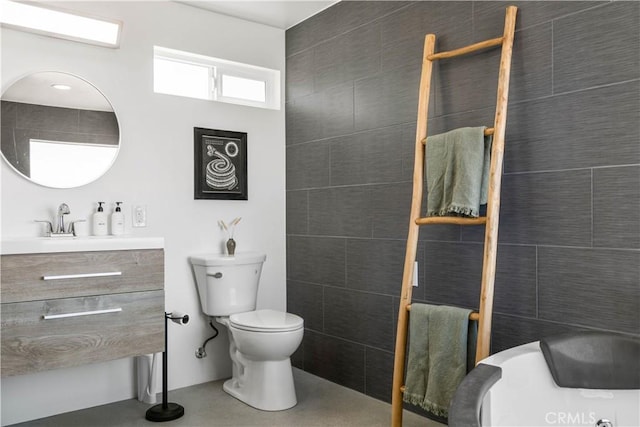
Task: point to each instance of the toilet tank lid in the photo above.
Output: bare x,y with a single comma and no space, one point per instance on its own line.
266,320
212,259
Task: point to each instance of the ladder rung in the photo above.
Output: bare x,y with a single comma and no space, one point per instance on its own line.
459,220
467,49
487,132
474,315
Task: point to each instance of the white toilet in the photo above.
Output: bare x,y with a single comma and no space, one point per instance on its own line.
260,341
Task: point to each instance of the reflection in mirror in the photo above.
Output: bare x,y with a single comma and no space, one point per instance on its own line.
58,130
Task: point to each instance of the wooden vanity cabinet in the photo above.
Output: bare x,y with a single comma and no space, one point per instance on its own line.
68,309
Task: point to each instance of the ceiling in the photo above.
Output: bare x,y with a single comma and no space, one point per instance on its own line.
282,14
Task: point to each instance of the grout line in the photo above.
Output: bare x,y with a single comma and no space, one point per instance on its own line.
572,325
553,86
351,29
572,169
592,205
537,286
470,242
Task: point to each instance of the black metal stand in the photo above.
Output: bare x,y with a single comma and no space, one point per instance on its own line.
165,411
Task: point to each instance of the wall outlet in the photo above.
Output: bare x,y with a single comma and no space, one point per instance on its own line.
139,216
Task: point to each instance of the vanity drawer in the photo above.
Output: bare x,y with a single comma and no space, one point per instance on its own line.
33,277
60,333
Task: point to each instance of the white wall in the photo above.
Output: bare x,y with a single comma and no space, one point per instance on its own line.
155,168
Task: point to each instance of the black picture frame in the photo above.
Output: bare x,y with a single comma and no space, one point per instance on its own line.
220,164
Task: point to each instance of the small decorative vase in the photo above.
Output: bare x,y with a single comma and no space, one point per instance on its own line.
231,247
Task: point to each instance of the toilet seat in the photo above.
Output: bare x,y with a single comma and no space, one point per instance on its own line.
266,321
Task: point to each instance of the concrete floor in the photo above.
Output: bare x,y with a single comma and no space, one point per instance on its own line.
320,403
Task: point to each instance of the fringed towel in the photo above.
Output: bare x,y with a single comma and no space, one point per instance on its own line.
457,171
441,352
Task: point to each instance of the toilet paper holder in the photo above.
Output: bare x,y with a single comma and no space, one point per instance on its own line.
167,411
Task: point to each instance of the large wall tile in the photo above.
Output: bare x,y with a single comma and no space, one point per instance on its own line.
304,118
590,287
488,16
308,165
318,260
404,31
42,117
465,84
616,207
531,64
607,49
378,373
297,212
596,127
8,113
387,98
453,274
337,110
339,19
370,157
306,300
375,265
347,57
299,80
360,317
340,211
471,82
99,123
516,280
552,208
511,331
297,358
390,208
335,359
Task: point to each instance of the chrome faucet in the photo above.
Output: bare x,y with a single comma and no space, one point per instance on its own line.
63,210
60,230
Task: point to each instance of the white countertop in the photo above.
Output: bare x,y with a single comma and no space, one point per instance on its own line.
37,245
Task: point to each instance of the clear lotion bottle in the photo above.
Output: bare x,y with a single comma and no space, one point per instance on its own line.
117,221
100,221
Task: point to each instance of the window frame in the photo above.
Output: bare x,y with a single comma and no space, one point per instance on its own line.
221,67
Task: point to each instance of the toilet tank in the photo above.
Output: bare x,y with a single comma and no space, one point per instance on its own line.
227,284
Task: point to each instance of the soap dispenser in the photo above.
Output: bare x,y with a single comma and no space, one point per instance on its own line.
100,221
117,221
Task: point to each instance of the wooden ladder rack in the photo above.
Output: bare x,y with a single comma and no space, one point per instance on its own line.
484,314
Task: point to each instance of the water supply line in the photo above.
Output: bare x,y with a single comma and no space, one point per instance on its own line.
200,353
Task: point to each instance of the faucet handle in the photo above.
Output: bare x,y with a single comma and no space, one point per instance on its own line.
72,226
50,226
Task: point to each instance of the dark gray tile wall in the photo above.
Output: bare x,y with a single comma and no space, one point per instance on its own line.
22,122
569,240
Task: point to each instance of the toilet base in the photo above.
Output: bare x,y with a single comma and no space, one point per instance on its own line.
267,386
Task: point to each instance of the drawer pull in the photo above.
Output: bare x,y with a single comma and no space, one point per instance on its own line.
82,313
81,276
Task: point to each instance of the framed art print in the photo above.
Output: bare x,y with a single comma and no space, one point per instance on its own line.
220,164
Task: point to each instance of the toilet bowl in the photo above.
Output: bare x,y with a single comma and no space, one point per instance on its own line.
261,342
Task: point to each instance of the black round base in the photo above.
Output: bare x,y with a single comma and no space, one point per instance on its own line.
171,412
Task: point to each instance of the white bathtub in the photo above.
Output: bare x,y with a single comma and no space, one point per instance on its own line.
526,395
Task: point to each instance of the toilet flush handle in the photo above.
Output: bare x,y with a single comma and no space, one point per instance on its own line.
217,275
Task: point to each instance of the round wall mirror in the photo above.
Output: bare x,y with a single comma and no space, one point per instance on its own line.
58,130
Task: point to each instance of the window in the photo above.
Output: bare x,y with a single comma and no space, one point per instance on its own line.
197,76
68,164
60,24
